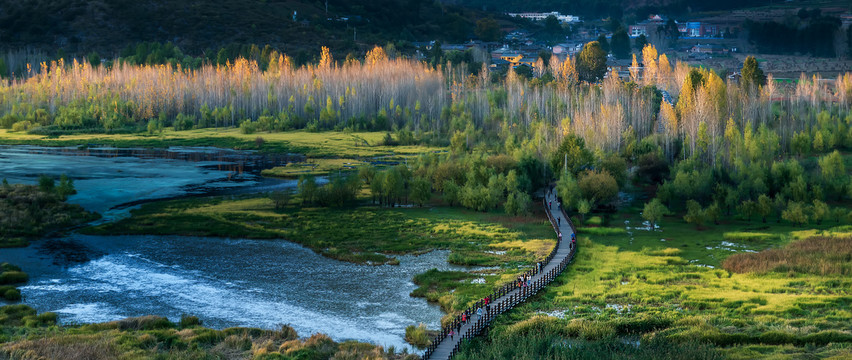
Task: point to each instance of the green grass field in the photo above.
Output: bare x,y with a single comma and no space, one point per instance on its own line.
666,291
312,144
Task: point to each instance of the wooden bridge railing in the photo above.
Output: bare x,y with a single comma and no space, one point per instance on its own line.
509,295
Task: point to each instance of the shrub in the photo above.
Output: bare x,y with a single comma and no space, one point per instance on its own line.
536,325
9,120
149,322
12,295
602,231
12,315
248,127
184,122
22,125
749,236
664,252
154,126
590,330
189,321
826,337
9,267
288,333
595,220
13,277
238,342
48,317
207,337
517,203
147,341
43,319
599,187
641,325
417,335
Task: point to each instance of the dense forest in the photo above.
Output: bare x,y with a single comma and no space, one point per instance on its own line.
686,141
721,144
616,9
809,33
201,25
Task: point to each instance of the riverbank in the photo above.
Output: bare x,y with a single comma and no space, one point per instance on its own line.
25,334
327,144
325,152
28,212
365,235
668,292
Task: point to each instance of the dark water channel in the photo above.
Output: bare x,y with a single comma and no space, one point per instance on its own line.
226,282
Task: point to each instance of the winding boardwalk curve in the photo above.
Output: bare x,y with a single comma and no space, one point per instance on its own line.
446,344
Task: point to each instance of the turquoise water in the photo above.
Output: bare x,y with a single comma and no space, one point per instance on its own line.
225,282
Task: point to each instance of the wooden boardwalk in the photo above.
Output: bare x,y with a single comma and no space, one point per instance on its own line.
445,346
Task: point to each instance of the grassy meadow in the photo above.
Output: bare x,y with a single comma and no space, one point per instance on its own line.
327,152
312,144
738,290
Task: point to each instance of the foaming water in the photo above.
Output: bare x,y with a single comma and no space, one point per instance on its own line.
225,282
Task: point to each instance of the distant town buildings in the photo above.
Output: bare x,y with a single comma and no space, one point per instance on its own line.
565,19
642,27
708,49
690,29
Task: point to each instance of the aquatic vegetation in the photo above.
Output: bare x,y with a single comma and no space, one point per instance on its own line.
749,236
26,211
417,336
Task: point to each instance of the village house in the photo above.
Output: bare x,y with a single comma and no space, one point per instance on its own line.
644,26
564,19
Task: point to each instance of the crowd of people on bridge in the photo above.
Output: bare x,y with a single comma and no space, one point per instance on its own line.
484,305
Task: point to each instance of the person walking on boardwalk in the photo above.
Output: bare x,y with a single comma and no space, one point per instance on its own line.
479,313
451,334
558,221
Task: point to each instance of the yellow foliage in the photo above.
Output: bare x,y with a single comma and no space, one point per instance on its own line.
375,56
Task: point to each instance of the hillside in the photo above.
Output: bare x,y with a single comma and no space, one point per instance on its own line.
199,25
617,8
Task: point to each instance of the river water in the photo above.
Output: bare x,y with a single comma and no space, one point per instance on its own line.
225,282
